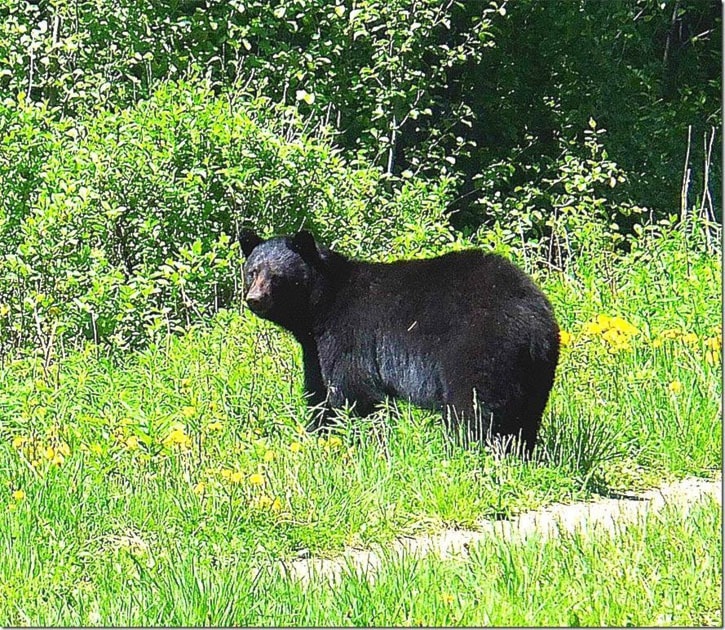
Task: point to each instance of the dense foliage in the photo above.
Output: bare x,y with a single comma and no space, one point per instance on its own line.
121,224
421,87
136,138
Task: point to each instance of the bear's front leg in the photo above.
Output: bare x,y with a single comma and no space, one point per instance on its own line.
315,389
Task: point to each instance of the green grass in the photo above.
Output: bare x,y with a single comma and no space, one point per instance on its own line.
644,575
143,487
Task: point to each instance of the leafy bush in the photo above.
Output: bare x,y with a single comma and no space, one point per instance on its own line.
122,224
566,208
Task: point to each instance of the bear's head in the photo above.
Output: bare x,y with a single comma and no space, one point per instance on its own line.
282,276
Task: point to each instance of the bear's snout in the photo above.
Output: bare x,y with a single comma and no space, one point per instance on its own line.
259,297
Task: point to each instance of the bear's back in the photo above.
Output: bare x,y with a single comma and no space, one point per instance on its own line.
457,284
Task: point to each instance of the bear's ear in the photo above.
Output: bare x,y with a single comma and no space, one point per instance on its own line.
248,239
304,244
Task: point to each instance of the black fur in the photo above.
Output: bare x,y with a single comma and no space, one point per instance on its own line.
467,333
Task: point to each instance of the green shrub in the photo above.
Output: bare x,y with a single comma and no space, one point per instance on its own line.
565,209
122,224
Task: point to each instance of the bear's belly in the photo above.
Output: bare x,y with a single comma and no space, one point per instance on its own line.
410,374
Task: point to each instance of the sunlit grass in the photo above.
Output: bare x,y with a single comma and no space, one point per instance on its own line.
162,470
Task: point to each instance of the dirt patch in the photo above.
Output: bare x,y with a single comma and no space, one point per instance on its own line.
602,514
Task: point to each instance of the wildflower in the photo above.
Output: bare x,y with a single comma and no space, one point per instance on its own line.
18,441
675,387
713,350
269,456
264,502
236,477
178,437
49,452
616,340
623,326
199,488
333,442
214,426
565,338
256,479
186,382
57,460
596,326
19,495
616,331
690,339
188,412
447,598
295,447
96,448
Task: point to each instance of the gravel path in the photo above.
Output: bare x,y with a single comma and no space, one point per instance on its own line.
601,514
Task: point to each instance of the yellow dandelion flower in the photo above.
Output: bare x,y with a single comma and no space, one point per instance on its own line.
264,502
675,387
690,339
96,448
177,437
188,412
199,488
132,443
592,328
295,447
214,426
276,505
565,338
713,343
256,479
269,456
19,495
49,452
18,441
447,598
57,460
236,477
616,340
334,442
604,320
623,326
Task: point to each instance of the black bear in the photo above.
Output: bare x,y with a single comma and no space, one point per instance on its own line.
467,333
